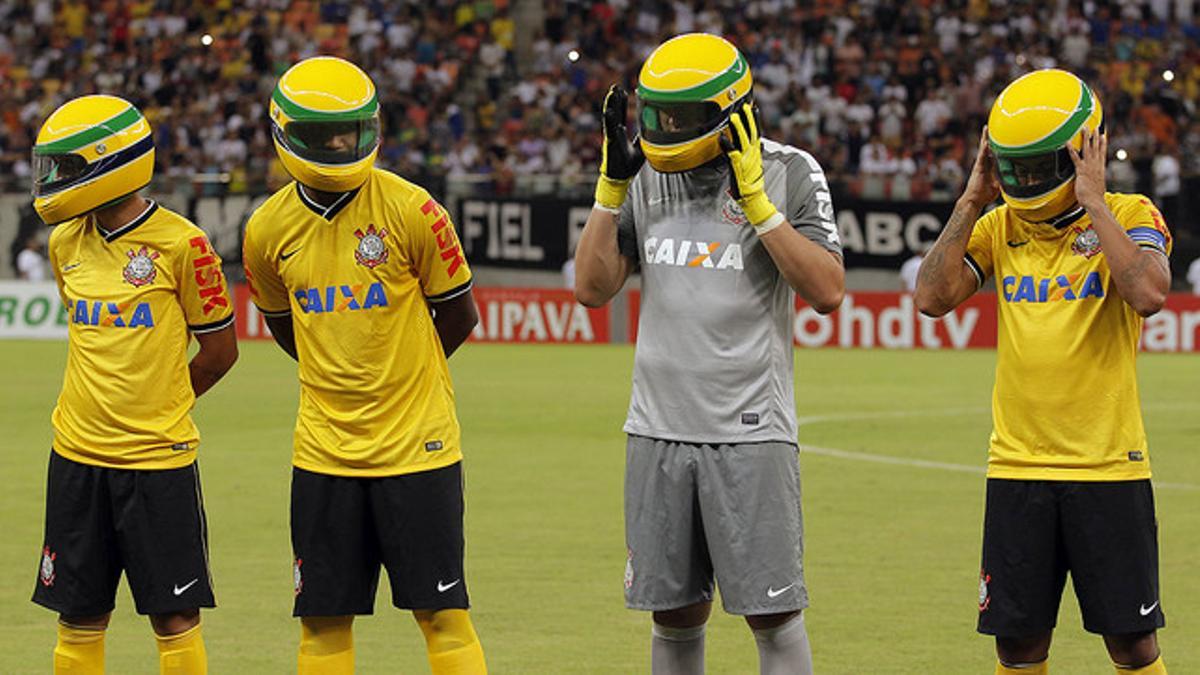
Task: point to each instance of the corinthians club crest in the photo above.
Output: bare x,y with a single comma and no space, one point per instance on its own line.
732,212
140,270
47,571
371,251
297,579
985,598
1087,242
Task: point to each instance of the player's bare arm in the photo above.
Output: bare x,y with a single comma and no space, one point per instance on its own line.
454,320
814,273
1142,277
284,334
600,269
945,280
218,352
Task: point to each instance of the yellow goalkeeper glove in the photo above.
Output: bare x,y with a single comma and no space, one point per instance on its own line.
620,158
744,151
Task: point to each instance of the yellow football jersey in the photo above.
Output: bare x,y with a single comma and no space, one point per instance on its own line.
133,296
358,279
1065,404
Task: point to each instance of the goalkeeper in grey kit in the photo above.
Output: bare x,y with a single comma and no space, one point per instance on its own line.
725,228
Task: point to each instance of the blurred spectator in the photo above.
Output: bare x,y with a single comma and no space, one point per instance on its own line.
1193,276
1166,183
31,262
909,271
470,92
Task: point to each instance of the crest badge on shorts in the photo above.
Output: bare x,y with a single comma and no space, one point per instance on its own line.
984,598
46,573
372,251
140,269
629,569
1087,242
297,580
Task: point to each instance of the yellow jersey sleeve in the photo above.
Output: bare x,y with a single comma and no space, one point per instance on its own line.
203,292
437,255
980,257
1143,223
267,289
52,256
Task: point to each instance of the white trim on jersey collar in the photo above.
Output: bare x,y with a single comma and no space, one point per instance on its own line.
109,235
316,206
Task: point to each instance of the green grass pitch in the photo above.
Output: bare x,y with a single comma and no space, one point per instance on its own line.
892,544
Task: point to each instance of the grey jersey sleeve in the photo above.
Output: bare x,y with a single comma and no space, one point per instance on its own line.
627,230
807,202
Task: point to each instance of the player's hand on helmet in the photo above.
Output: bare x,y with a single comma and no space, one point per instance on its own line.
620,158
743,148
1089,168
982,186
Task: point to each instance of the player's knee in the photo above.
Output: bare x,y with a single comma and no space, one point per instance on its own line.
1135,650
324,635
1030,649
769,621
684,617
94,622
175,623
446,629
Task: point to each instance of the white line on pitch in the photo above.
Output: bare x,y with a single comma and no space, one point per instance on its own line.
918,463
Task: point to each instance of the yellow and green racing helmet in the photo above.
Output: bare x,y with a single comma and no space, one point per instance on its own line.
1032,123
686,91
325,121
91,152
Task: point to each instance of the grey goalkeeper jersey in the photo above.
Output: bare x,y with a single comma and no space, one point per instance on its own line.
714,347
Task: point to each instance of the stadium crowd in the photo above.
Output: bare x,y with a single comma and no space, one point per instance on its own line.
890,96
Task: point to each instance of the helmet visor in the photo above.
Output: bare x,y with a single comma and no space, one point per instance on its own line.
1027,177
52,173
678,122
340,142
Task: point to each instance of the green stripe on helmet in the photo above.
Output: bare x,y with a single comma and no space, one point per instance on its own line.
1057,138
99,132
700,92
299,113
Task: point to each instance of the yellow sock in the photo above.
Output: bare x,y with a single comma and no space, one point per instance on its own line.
451,642
1156,667
79,651
326,645
182,653
1040,668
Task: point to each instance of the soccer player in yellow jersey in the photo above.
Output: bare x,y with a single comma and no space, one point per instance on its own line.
1076,270
362,280
123,491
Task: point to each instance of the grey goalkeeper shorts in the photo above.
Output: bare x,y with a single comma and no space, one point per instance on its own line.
695,511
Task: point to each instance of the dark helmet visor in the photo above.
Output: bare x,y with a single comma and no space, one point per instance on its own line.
52,173
665,123
1027,177
340,142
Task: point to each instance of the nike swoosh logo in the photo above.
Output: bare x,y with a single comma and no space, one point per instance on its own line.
772,593
285,256
180,589
68,268
1145,611
1015,244
442,588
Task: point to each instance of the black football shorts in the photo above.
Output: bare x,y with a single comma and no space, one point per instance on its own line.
344,528
1103,533
100,521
